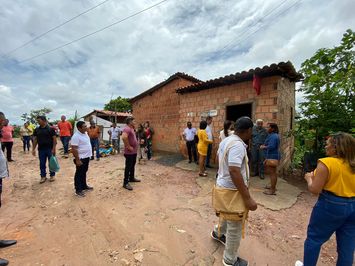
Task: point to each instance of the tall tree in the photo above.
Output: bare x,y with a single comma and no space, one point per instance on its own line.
119,105
329,88
32,116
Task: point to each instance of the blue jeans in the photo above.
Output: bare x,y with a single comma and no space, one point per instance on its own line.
257,160
331,214
44,155
26,142
208,157
95,145
65,141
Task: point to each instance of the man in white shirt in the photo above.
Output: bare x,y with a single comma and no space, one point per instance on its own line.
189,136
115,133
233,173
82,151
210,137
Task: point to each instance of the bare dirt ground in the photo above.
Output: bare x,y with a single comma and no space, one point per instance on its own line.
165,220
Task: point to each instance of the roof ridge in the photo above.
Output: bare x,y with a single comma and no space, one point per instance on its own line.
282,68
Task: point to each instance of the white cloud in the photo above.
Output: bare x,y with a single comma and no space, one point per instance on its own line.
204,38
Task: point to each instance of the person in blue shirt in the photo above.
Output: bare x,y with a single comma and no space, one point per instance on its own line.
272,156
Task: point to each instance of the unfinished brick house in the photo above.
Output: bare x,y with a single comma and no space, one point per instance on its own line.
267,93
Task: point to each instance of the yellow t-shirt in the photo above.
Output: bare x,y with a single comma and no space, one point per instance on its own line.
341,180
203,142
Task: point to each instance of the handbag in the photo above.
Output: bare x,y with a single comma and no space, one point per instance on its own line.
228,203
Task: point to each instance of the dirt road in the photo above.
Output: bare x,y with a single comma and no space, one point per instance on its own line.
165,220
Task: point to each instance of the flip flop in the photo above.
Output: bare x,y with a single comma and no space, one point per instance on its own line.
203,174
268,192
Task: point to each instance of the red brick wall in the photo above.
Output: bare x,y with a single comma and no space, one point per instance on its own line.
285,120
264,106
219,98
168,111
161,109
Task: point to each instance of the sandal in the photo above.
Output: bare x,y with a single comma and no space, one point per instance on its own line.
269,187
202,174
269,192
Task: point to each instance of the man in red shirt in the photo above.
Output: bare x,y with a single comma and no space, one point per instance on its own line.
6,140
65,133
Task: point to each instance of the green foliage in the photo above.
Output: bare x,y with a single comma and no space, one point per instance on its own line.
119,105
17,132
31,117
329,89
73,119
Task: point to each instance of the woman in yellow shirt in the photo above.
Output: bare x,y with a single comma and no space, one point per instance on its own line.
202,147
334,181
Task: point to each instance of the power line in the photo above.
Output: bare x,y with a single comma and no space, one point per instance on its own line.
262,26
256,22
92,33
52,29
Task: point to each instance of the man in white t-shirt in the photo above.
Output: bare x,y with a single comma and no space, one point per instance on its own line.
233,173
210,137
189,136
82,151
115,133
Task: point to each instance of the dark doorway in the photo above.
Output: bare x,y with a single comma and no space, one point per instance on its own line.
236,111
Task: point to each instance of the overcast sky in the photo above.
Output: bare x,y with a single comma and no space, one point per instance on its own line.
203,38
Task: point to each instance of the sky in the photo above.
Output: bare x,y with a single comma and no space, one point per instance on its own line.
203,38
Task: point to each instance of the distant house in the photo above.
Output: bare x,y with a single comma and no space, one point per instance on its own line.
267,93
104,120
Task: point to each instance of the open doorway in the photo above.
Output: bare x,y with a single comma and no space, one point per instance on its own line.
233,112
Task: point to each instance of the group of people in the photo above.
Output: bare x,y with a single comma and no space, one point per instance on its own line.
333,180
263,147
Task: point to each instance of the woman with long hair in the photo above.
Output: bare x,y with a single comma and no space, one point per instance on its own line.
228,127
202,147
334,181
272,156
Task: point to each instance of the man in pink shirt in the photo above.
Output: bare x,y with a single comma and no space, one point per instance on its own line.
7,141
130,152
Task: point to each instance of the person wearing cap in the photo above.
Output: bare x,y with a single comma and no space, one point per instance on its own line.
257,155
233,173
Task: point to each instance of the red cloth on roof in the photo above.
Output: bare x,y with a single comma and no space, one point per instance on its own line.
257,84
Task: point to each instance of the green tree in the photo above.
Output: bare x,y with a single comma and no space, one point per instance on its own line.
119,105
329,89
73,119
31,117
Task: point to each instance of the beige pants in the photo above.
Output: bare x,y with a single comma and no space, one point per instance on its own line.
233,232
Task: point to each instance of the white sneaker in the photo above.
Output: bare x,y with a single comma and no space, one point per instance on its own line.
299,263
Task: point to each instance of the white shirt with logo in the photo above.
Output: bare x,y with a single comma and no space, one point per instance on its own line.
82,141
